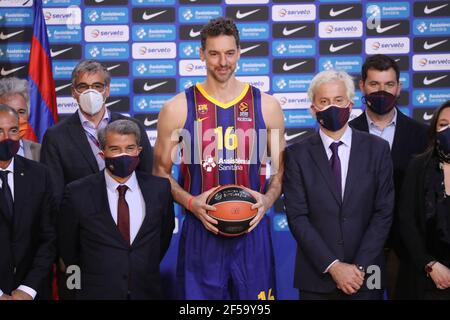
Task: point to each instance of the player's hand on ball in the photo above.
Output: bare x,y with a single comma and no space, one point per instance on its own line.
262,204
199,208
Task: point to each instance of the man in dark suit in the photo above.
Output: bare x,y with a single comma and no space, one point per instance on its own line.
27,218
14,93
70,149
116,225
339,197
380,86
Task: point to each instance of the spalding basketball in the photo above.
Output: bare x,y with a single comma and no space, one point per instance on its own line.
233,209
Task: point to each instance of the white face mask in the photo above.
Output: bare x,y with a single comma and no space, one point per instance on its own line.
91,101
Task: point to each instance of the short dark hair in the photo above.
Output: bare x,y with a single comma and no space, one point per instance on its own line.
379,62
91,66
4,108
433,124
217,27
122,127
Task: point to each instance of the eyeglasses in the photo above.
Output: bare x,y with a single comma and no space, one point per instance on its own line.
97,86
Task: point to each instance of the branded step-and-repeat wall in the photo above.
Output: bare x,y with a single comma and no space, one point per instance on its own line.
151,48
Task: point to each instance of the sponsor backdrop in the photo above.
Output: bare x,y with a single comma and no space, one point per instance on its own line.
151,48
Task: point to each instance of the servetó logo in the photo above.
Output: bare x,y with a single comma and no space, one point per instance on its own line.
95,33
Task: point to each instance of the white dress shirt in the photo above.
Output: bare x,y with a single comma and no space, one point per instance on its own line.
91,131
10,168
134,198
387,133
343,152
344,157
21,151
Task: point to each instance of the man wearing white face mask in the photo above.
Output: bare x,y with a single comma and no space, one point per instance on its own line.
339,197
71,149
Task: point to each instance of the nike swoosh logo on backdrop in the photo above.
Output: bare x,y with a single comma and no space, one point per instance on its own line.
4,72
339,12
427,10
287,32
153,86
240,15
57,53
427,46
249,48
287,67
149,123
335,49
292,136
62,87
427,116
383,30
146,16
427,81
9,35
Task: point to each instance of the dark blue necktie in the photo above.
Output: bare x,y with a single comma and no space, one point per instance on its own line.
7,195
335,163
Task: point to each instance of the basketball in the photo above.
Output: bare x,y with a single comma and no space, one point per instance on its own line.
234,209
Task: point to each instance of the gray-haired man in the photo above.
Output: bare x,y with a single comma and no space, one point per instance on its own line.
116,225
14,93
71,148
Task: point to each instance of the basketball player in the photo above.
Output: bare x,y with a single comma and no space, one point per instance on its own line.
228,131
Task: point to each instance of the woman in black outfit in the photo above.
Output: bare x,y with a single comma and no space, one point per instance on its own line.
424,215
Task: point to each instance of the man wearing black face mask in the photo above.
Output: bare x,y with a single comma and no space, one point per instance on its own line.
116,225
27,218
380,87
339,197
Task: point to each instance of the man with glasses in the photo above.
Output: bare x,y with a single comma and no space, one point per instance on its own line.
71,148
339,196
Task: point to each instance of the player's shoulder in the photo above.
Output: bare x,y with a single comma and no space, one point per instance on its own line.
176,101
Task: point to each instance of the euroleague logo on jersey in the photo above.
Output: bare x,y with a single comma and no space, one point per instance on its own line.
243,112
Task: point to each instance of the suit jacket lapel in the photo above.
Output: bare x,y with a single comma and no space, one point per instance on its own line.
100,199
354,165
400,135
78,136
22,188
319,156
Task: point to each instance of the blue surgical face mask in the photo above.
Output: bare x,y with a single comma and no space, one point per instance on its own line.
333,117
8,149
123,165
443,144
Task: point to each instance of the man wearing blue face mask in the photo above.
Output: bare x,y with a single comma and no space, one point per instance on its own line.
380,86
116,225
71,148
339,197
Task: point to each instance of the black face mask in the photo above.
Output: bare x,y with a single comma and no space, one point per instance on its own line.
333,117
380,102
8,149
122,166
443,145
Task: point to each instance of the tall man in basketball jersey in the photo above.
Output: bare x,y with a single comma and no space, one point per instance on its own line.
228,129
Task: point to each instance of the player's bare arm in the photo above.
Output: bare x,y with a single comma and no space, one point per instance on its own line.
274,120
171,120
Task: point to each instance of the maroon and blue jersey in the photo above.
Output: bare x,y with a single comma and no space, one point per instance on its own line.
224,143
